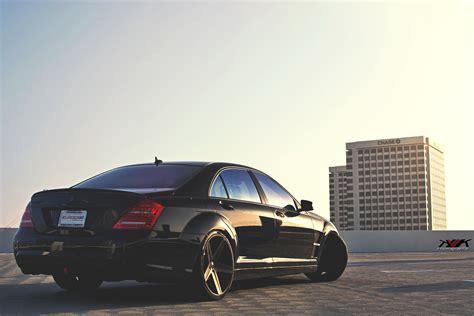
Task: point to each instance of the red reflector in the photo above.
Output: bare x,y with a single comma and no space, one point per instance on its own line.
26,221
142,216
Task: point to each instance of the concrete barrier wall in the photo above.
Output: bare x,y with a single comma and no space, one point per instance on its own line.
365,241
6,239
409,241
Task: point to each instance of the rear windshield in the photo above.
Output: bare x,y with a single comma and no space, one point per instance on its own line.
163,176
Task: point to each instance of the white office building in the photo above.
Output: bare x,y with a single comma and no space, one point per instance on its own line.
389,184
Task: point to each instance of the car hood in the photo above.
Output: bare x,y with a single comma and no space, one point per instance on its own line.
317,216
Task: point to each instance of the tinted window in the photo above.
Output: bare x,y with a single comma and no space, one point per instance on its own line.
144,176
239,185
218,189
275,194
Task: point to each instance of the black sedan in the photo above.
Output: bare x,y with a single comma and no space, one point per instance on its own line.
206,224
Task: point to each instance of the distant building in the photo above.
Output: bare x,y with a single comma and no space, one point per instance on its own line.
337,195
389,184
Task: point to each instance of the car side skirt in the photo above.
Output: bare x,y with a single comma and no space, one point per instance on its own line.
267,267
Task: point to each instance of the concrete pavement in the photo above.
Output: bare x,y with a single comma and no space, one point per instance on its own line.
408,283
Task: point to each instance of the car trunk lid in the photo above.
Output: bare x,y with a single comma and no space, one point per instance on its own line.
100,207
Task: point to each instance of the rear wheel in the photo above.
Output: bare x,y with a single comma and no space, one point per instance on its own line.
333,260
214,271
77,282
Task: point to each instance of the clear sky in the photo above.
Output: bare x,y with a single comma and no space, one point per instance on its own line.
88,86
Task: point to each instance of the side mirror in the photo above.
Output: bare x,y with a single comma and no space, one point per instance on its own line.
306,205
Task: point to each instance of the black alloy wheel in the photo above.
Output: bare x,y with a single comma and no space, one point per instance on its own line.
216,266
333,261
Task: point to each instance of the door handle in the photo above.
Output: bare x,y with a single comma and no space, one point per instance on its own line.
226,206
279,213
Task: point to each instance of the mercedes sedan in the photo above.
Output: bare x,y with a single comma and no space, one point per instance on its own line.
205,224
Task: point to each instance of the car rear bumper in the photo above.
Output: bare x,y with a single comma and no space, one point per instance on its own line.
125,257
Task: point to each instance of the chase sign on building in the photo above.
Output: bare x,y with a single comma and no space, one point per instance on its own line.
389,142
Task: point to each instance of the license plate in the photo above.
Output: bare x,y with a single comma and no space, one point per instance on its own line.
70,218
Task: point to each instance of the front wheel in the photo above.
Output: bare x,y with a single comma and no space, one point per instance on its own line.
76,282
214,270
333,260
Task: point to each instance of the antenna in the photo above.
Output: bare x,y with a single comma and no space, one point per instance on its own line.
157,161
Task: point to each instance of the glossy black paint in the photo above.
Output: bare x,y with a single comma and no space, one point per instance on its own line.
266,240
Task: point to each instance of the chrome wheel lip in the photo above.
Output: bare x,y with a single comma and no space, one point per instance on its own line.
213,267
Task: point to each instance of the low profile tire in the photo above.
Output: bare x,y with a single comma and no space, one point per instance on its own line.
214,270
77,282
333,260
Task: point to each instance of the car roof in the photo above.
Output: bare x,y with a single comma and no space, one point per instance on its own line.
188,163
191,163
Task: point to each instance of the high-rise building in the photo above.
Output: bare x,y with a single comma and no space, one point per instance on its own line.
337,195
389,184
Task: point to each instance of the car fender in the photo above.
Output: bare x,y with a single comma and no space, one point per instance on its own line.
198,227
329,231
329,228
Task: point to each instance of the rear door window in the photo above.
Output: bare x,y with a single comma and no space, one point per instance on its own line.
218,189
240,185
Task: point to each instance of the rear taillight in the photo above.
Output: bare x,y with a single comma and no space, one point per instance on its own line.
26,218
142,216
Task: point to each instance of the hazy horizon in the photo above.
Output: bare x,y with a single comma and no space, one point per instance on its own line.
88,86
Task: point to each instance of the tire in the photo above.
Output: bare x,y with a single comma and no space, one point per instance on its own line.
333,260
214,269
76,282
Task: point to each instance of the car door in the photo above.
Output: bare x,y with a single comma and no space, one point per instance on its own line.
295,234
235,196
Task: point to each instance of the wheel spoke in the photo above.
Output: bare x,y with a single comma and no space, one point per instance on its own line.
218,249
217,284
209,252
207,273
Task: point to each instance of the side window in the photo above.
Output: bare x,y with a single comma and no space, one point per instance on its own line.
275,194
218,189
240,185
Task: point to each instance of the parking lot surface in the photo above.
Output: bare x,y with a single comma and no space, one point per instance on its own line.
409,283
